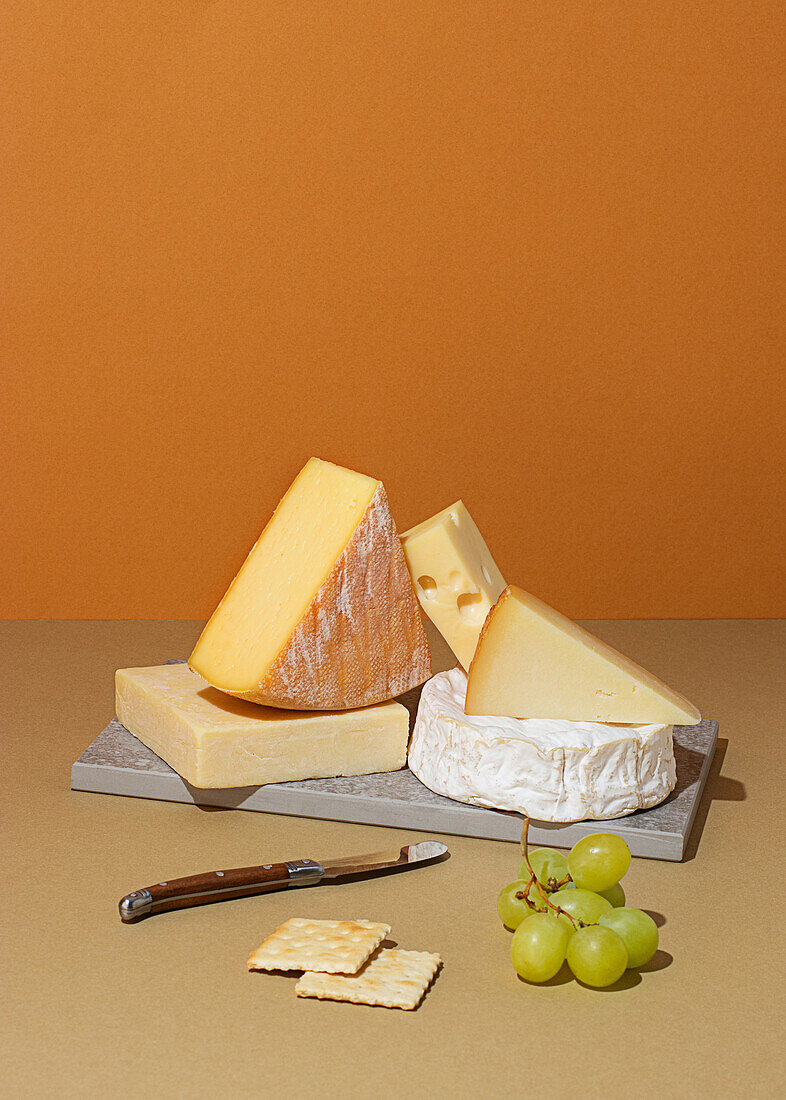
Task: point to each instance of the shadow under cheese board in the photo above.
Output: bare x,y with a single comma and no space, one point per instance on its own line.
118,763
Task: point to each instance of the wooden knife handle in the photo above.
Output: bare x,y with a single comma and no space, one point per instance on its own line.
237,882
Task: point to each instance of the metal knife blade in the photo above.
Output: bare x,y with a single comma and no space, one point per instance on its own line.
425,851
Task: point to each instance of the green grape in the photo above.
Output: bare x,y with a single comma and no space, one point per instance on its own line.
538,947
637,930
615,894
512,910
546,863
597,956
599,861
581,904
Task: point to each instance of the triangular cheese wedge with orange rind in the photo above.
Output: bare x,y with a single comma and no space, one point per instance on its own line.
322,615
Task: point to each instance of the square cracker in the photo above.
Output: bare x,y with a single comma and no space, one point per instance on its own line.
329,946
394,978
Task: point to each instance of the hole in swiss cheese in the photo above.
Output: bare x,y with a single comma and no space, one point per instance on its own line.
470,606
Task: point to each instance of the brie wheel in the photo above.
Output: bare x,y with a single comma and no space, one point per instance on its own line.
549,769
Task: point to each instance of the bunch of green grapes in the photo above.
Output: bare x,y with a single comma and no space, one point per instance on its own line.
575,910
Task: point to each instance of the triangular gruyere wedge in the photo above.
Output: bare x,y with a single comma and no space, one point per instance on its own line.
322,615
533,662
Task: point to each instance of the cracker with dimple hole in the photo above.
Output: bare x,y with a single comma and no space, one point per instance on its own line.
393,978
329,946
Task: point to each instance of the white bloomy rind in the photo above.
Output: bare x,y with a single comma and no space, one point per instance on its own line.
547,768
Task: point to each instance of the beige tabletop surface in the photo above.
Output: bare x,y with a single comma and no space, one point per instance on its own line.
166,1007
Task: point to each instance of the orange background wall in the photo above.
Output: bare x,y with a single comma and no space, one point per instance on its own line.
525,254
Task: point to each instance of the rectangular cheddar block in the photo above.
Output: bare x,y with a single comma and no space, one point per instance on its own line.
214,740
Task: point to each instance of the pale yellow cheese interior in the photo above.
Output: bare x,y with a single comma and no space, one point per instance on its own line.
214,740
533,662
281,575
454,575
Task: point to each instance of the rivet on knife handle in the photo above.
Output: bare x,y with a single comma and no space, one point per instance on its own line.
212,886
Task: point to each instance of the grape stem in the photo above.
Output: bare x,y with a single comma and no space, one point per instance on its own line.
534,879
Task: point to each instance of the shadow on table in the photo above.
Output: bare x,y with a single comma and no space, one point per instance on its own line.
659,918
720,788
631,978
659,961
231,797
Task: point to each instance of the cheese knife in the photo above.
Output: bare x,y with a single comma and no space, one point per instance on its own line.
240,882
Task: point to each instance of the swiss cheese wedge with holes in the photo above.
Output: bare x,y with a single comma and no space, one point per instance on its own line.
455,577
322,615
